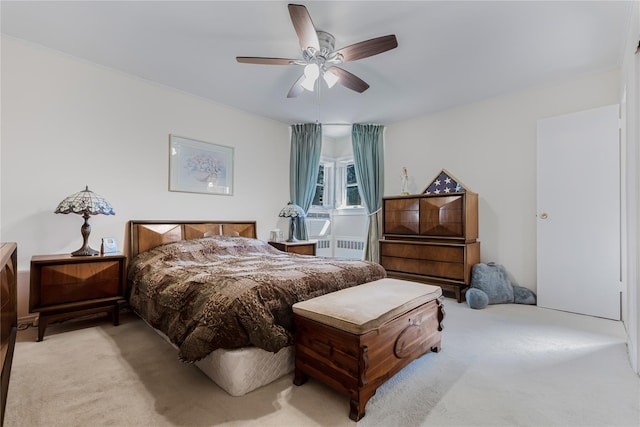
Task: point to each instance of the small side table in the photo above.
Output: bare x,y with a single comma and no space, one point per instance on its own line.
306,247
65,286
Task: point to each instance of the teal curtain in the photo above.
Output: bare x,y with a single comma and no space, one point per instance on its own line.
306,145
368,159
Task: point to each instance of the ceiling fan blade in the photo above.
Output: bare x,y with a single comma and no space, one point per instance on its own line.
304,27
264,61
297,88
349,80
368,48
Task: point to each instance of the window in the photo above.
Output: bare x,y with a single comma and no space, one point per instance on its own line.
352,194
323,196
337,178
318,197
347,185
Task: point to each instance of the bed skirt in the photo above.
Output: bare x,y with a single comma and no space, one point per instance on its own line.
242,370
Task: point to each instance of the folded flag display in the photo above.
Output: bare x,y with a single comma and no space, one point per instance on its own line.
444,183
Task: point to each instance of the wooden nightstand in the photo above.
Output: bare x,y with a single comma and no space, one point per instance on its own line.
306,247
65,286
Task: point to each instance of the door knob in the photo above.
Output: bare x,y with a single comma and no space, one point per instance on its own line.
544,215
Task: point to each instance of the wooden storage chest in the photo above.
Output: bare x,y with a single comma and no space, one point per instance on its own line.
355,339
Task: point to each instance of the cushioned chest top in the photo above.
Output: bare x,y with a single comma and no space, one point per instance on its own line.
362,308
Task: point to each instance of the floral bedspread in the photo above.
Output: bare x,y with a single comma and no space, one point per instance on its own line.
231,292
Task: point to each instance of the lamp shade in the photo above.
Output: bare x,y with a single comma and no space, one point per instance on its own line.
292,211
85,203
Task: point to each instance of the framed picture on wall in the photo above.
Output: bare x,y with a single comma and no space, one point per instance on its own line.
200,167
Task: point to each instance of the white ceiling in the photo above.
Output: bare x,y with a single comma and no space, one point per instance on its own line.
450,53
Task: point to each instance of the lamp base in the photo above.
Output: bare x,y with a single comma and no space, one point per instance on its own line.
292,231
85,230
85,251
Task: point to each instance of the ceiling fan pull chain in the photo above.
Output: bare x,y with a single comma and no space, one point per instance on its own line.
318,100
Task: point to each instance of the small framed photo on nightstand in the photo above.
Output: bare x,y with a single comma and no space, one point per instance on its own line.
108,246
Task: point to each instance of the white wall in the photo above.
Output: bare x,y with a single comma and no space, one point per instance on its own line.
67,123
491,147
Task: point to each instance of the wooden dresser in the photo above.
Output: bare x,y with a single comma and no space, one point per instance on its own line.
9,312
431,238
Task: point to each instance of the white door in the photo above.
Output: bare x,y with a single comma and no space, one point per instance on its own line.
578,217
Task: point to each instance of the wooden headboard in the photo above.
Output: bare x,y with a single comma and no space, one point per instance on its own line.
146,235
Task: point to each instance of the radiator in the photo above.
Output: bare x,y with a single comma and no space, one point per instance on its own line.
319,228
323,248
328,245
349,247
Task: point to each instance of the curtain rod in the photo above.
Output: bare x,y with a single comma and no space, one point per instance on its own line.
350,124
345,124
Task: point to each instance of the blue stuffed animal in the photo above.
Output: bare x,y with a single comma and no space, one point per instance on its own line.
490,284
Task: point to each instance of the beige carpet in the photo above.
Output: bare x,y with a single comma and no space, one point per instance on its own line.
506,365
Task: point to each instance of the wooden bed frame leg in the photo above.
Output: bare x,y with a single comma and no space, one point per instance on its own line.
115,314
300,377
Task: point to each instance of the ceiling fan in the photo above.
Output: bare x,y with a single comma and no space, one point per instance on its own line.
320,58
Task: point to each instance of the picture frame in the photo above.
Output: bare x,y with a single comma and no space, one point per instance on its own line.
200,167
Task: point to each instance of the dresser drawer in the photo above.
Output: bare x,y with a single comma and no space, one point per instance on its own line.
442,216
78,282
422,251
445,270
402,216
68,280
442,260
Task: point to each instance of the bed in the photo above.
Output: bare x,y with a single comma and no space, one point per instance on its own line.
223,298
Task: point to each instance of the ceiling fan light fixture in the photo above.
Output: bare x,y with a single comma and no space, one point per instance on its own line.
330,78
309,84
311,73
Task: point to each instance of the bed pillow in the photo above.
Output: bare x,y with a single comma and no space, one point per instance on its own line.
229,245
